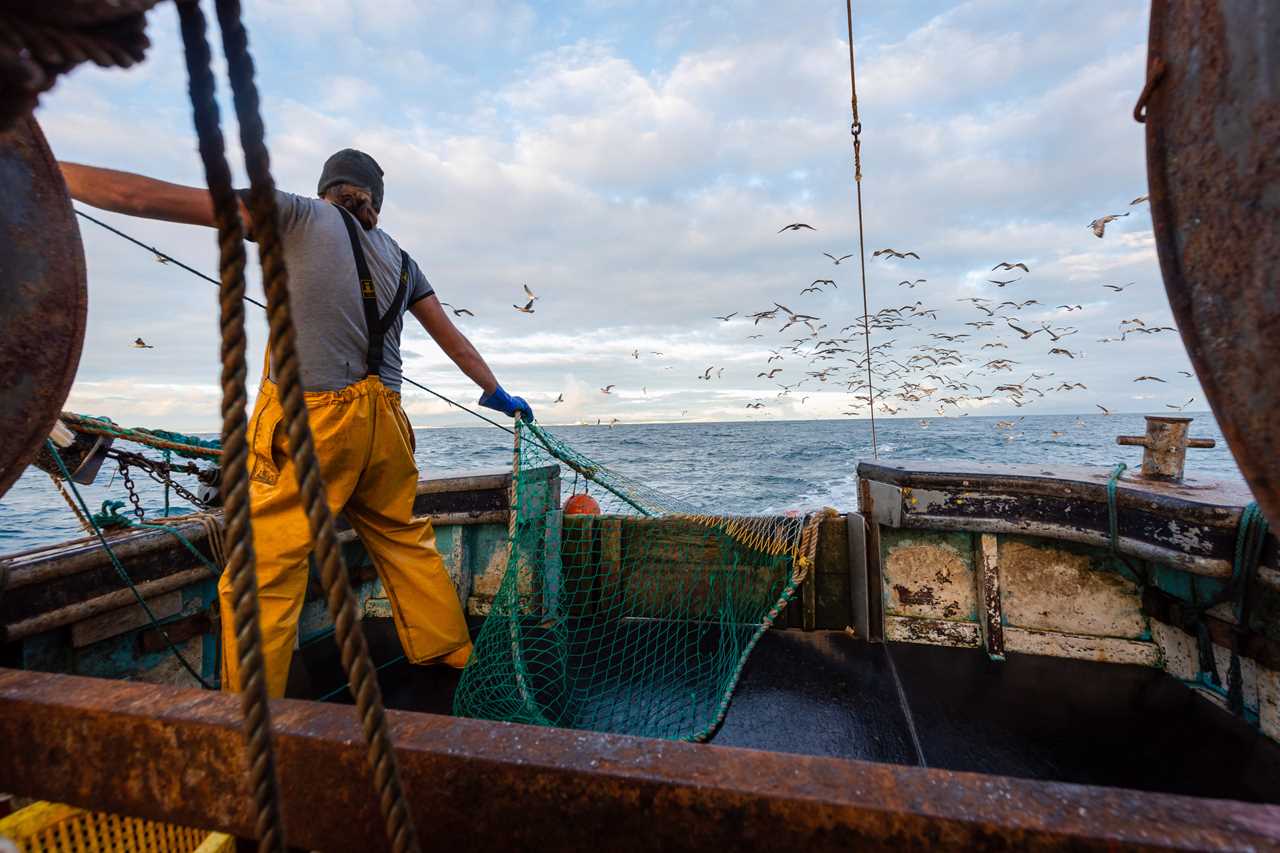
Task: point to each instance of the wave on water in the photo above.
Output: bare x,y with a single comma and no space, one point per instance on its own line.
753,467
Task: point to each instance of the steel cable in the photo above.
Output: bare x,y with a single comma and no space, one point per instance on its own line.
856,130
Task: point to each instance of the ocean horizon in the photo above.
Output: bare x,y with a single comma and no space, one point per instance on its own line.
752,466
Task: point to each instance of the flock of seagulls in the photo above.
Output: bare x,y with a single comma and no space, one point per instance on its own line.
947,369
944,370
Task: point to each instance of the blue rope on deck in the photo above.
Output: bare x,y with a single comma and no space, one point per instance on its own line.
120,569
1251,535
1112,513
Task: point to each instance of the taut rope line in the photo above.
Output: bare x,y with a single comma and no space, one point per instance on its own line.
171,259
856,130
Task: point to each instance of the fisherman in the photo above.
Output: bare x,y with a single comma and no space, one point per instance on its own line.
349,287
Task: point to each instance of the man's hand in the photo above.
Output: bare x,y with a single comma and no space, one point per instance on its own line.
500,401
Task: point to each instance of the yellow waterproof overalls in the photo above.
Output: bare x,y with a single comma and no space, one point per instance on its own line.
365,446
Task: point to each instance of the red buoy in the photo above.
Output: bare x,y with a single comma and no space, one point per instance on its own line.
581,505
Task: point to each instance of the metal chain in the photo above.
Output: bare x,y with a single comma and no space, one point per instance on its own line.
162,473
335,579
269,817
132,490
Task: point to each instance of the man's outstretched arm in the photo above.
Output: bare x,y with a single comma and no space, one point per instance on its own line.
431,314
137,195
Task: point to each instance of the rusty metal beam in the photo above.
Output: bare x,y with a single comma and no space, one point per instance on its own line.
177,755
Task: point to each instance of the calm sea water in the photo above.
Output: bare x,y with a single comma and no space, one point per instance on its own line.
751,467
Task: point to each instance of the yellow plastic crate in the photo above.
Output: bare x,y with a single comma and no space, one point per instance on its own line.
44,827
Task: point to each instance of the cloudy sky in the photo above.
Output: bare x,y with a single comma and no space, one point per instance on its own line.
633,162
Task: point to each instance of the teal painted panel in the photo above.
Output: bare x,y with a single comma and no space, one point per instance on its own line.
1185,585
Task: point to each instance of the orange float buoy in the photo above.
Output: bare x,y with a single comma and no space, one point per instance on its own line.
582,504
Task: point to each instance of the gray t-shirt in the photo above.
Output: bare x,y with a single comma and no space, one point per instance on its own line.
324,293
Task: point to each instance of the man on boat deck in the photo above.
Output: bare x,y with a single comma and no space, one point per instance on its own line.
349,286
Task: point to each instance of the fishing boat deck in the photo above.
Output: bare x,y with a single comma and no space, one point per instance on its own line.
824,693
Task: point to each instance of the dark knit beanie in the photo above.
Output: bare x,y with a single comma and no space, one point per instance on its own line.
350,166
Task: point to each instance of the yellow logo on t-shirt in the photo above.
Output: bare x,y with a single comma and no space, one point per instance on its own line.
366,288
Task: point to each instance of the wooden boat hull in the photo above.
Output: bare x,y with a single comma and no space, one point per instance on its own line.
969,622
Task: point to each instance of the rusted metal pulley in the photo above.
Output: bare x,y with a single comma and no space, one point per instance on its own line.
43,296
1212,110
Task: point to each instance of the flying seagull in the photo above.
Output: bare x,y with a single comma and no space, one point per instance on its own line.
608,389
529,293
559,399
1105,410
1099,225
527,309
1118,288
457,312
141,344
894,253
1139,200
796,226
1025,334
1148,379
1005,265
836,260
727,317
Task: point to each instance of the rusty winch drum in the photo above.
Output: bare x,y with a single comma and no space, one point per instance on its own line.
1213,164
43,296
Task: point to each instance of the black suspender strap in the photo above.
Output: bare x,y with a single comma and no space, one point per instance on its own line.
377,325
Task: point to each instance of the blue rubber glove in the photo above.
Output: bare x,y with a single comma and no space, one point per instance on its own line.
501,401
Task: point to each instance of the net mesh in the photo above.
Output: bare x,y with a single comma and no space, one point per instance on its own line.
637,620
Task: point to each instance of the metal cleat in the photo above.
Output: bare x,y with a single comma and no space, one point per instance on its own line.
1164,446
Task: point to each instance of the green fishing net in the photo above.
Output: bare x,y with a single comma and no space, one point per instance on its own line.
637,620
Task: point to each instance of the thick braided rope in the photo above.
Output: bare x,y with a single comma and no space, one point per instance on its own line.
96,426
269,823
333,572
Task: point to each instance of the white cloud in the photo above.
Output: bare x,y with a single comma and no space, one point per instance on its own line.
641,196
